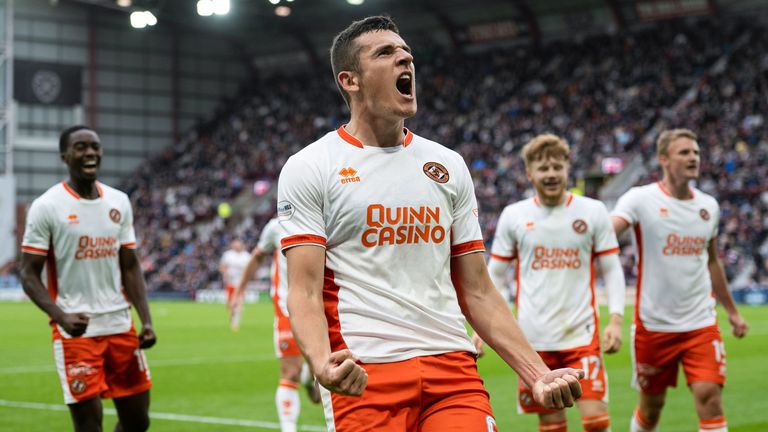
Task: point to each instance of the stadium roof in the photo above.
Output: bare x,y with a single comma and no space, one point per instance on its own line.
254,26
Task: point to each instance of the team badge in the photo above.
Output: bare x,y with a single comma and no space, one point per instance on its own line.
77,386
115,215
436,172
579,226
704,214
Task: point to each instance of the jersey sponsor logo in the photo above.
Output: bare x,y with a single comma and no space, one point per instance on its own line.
402,225
579,226
545,258
664,212
72,219
77,385
704,214
115,215
436,172
684,245
349,175
96,248
285,210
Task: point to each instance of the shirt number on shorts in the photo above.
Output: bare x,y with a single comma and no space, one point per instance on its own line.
719,350
586,361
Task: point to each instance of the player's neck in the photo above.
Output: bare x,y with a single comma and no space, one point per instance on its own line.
376,132
677,188
86,189
552,201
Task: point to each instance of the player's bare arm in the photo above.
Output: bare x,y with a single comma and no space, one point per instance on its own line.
722,294
615,286
489,315
619,225
136,291
250,269
31,267
337,372
497,270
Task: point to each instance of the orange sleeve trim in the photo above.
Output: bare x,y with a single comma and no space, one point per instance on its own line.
468,247
129,245
607,252
302,239
503,258
32,250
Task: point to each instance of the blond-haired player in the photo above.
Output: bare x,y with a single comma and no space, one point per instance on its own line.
675,234
385,261
291,363
555,238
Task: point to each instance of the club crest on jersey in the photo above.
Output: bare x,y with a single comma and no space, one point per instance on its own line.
436,172
579,226
115,215
349,175
77,386
704,214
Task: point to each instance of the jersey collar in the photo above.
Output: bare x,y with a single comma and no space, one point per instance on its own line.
76,195
351,139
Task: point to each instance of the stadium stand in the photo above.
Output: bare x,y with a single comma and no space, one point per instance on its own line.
602,94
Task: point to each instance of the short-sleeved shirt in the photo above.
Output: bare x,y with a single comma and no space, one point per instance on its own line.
555,249
81,239
390,220
235,263
269,242
674,289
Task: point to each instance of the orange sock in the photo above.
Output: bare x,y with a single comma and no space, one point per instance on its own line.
561,426
716,424
641,421
596,423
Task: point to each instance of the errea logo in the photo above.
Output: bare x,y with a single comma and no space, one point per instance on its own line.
349,175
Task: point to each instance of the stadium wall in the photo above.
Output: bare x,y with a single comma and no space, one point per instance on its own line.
140,87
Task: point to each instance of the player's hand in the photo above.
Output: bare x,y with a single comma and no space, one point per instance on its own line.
478,342
559,388
341,374
612,338
74,324
147,336
739,326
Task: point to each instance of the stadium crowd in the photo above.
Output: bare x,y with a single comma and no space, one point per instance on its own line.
602,94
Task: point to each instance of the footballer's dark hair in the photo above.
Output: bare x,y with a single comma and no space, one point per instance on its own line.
344,51
64,137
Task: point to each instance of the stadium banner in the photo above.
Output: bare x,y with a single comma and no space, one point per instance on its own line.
497,30
8,244
652,10
47,83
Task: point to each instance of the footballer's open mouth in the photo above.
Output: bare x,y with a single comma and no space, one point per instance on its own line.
404,84
90,165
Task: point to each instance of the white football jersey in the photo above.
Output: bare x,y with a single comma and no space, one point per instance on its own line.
235,263
671,236
81,239
269,242
555,249
390,220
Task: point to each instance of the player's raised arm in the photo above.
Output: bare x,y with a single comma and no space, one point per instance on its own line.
337,372
723,295
136,290
489,315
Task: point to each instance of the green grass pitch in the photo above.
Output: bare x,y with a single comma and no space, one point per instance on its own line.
210,379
